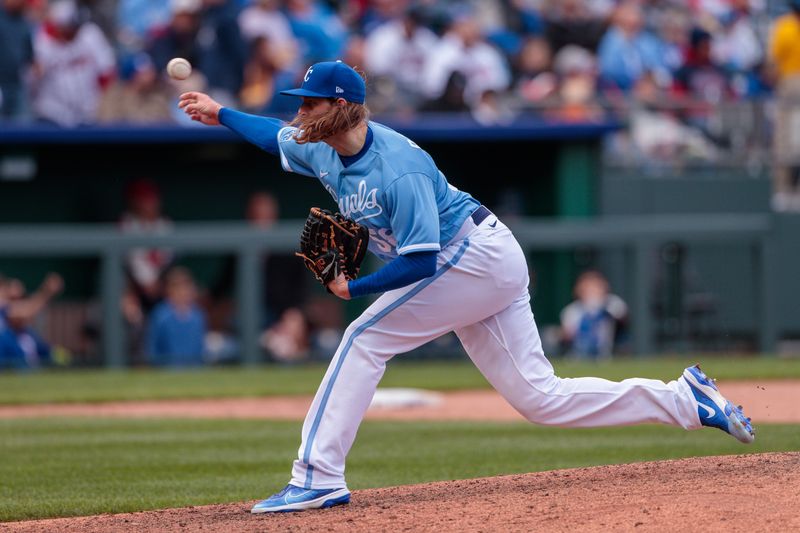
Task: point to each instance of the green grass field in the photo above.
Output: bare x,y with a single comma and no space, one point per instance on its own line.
64,467
81,466
97,385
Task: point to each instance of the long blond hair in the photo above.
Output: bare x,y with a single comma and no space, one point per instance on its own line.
337,119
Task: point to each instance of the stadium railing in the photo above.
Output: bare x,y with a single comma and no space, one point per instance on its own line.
639,236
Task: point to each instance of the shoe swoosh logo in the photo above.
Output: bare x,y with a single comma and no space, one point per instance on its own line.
295,498
710,413
493,224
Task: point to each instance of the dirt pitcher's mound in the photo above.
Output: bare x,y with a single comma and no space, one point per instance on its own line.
755,492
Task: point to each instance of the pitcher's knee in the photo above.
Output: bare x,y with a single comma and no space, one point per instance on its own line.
542,401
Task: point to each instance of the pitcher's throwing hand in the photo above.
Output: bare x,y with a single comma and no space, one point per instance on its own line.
200,107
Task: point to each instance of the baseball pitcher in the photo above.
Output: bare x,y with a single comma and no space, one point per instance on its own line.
450,265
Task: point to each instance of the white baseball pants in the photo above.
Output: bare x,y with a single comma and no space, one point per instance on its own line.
480,292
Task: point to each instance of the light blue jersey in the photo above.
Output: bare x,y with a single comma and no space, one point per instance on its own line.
394,189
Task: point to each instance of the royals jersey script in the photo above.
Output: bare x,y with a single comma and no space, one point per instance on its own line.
394,189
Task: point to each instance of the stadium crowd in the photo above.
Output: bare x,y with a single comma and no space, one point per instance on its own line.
669,65
75,62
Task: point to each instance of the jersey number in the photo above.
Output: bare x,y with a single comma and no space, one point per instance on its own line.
383,239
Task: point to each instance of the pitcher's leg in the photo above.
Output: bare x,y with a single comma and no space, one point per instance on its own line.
346,392
337,410
507,350
397,322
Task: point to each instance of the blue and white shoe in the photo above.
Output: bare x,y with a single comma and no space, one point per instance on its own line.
716,411
294,498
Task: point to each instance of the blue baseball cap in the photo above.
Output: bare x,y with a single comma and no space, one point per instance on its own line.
332,79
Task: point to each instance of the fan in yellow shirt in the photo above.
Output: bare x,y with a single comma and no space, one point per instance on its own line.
785,57
785,42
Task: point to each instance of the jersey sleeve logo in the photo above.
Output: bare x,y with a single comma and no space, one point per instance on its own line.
362,204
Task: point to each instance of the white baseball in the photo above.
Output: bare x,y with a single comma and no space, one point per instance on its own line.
178,68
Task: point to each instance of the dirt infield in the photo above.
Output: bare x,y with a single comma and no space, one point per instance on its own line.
750,493
734,493
767,401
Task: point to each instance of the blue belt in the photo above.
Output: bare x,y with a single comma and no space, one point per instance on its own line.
480,214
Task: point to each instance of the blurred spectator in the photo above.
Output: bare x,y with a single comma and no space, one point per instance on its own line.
20,345
506,22
785,57
577,89
138,19
784,43
673,26
179,37
592,323
735,46
9,354
285,276
177,327
452,99
264,79
263,18
377,13
15,60
325,317
284,285
319,31
573,22
209,39
395,54
627,50
535,81
463,49
144,267
36,11
701,86
262,210
354,51
104,14
223,51
287,339
139,96
656,134
706,10
74,64
492,109
700,78
530,20
143,216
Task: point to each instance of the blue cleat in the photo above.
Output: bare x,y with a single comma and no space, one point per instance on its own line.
716,411
294,498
